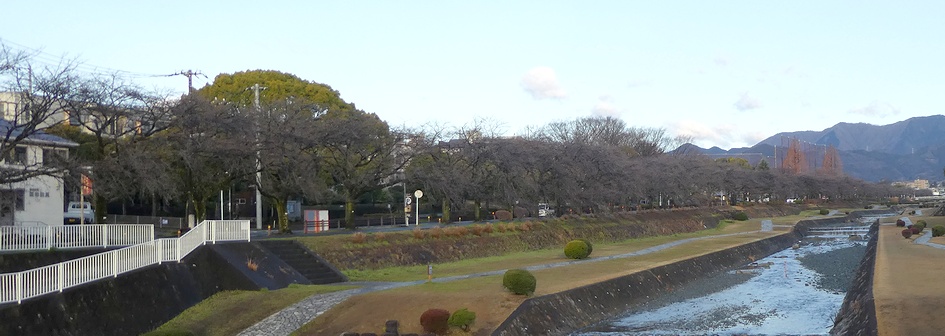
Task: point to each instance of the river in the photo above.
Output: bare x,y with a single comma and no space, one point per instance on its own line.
792,292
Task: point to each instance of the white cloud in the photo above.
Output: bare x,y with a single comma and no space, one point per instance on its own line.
725,136
605,109
746,102
876,109
542,83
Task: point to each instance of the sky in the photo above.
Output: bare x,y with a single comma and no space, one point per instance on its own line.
726,73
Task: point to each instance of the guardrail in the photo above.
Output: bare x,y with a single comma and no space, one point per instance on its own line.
19,286
17,238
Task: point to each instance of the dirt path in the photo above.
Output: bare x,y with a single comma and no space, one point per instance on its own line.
906,287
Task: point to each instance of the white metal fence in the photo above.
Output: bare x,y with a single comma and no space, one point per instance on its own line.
13,238
19,286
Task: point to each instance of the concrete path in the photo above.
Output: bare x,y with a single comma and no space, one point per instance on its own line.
924,240
295,316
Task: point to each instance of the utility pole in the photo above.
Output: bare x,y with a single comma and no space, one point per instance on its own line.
190,78
256,88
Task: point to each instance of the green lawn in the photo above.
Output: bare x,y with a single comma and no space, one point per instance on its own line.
529,258
230,312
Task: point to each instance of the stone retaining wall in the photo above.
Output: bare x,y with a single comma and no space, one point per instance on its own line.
564,312
857,315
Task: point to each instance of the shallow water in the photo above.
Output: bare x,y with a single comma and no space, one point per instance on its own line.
784,298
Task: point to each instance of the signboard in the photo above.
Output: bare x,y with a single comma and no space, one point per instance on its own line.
315,221
86,185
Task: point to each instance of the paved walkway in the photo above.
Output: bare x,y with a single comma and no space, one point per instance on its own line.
295,316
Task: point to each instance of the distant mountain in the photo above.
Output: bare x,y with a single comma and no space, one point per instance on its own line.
902,151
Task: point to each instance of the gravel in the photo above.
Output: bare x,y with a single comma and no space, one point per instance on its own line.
836,268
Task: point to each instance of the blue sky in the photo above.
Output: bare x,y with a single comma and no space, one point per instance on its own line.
728,73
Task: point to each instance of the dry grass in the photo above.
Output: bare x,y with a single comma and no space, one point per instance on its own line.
358,238
251,264
485,296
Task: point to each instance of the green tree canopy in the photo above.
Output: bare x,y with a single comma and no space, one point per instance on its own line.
280,86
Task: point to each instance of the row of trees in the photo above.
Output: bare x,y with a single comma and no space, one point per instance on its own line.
305,142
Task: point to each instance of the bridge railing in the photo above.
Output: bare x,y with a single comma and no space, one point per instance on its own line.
19,286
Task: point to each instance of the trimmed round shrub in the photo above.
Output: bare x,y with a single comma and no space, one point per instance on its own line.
462,319
824,212
503,215
900,222
921,224
906,233
435,320
938,231
576,249
590,248
519,281
915,229
740,216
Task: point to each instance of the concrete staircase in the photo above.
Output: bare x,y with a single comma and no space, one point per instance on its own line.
306,262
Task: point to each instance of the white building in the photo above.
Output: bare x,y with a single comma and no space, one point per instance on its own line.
35,200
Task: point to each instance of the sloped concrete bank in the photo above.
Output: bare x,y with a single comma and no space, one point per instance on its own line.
129,304
857,315
564,312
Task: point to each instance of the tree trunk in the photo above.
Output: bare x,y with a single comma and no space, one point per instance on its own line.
446,211
154,205
349,213
200,210
101,208
281,215
478,210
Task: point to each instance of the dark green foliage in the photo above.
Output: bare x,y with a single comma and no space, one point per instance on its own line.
590,248
462,319
435,320
938,231
922,224
740,216
906,233
576,249
824,212
519,281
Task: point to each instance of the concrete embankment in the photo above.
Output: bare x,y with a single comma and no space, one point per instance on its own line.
129,304
857,315
564,312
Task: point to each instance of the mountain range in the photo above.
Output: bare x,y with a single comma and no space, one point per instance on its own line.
907,150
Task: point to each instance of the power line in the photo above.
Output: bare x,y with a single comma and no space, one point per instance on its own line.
50,60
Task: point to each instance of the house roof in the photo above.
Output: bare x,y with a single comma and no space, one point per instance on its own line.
38,137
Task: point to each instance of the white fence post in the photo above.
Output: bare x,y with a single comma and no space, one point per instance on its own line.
61,277
48,237
19,287
115,263
104,236
160,250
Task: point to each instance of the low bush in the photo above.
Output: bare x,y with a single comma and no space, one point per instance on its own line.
436,232
462,319
915,229
740,216
435,320
519,281
938,231
576,249
487,228
824,212
921,223
358,238
478,230
900,222
418,234
503,215
590,247
906,233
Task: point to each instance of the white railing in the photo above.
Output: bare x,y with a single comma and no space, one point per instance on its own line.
13,238
19,286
